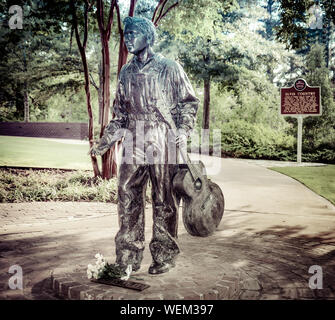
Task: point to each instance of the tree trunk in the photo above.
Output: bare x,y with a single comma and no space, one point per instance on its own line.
108,164
100,93
82,51
205,118
26,102
25,88
123,52
108,169
94,161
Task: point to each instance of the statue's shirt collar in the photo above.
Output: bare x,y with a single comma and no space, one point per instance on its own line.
140,66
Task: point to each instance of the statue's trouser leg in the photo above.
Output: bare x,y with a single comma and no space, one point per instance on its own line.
163,245
129,240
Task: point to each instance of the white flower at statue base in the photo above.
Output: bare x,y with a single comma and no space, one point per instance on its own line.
94,271
101,267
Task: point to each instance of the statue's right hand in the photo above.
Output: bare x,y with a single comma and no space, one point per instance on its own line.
95,151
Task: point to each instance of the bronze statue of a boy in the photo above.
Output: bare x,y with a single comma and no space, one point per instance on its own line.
147,85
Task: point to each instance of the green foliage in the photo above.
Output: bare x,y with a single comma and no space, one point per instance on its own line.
226,41
319,132
35,61
54,185
18,185
196,18
145,8
70,107
111,271
293,29
243,139
323,155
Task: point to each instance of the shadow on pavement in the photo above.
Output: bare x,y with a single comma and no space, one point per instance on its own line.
277,257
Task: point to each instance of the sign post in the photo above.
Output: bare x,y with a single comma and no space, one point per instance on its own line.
300,101
299,141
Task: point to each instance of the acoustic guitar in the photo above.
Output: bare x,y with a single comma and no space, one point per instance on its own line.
203,200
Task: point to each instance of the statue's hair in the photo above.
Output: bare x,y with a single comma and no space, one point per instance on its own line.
144,25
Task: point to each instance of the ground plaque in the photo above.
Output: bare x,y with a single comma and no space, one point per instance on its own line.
123,284
300,101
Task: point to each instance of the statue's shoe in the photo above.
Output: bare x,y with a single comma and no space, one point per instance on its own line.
158,268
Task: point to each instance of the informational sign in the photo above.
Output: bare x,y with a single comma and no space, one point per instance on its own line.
300,99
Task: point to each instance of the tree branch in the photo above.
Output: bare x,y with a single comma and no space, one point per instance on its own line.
100,16
87,8
167,10
119,20
121,44
132,7
160,12
110,19
156,9
93,82
71,38
75,24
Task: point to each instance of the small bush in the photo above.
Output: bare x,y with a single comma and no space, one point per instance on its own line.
248,140
321,155
54,185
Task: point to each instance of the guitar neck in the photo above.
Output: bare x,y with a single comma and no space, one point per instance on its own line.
193,171
167,117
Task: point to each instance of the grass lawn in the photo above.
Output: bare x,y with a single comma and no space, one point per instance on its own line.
319,179
43,153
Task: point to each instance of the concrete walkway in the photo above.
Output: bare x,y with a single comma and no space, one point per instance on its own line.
273,230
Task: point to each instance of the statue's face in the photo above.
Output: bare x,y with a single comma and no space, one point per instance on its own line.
135,40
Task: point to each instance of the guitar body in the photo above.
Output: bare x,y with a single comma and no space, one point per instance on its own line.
203,206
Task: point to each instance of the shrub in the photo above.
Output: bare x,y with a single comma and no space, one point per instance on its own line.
248,140
54,185
17,185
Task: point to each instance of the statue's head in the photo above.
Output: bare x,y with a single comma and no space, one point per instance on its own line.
138,33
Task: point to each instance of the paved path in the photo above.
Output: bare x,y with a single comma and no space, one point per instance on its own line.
273,230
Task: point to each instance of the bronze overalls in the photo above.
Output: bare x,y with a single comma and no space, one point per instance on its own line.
148,153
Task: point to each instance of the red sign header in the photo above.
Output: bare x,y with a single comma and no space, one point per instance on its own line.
300,99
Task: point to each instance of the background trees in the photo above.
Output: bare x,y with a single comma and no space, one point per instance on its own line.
319,132
238,54
36,63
